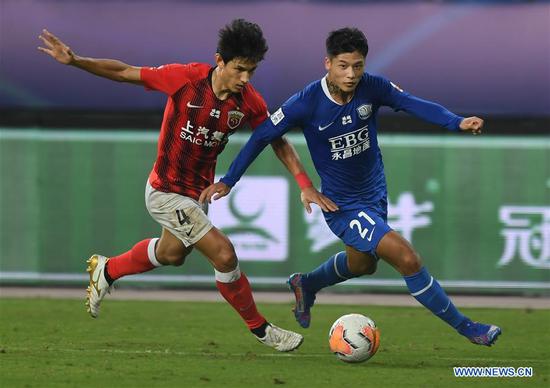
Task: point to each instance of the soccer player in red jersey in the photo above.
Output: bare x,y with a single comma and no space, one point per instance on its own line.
205,106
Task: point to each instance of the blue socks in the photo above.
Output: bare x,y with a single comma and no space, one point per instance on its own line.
334,270
429,293
421,285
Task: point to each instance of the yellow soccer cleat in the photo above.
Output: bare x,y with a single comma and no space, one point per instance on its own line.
99,287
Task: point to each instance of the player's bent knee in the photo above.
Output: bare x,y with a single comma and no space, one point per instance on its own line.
410,263
226,260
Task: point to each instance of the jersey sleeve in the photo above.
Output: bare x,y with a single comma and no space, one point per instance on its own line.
392,95
286,117
167,78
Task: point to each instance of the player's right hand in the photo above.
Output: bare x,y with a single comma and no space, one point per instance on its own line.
214,192
312,195
55,48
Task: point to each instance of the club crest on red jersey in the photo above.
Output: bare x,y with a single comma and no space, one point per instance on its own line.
234,118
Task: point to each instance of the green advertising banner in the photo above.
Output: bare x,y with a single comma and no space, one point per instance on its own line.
477,209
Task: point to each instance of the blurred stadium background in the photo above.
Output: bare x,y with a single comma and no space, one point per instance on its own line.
75,150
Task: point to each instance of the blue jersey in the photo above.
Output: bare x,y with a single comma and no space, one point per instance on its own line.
342,138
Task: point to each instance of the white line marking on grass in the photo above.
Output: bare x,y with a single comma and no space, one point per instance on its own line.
171,352
492,360
251,355
213,354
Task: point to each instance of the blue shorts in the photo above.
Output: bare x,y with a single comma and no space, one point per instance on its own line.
361,229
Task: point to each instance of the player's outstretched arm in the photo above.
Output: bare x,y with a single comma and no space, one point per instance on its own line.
472,124
108,68
289,157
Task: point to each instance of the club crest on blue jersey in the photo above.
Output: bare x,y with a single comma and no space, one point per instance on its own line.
234,118
364,111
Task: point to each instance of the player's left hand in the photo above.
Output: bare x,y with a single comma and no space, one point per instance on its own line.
214,192
472,124
55,48
312,195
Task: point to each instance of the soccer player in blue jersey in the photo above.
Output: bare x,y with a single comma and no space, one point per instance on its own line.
337,115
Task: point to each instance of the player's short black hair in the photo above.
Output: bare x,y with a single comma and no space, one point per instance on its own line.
346,40
242,39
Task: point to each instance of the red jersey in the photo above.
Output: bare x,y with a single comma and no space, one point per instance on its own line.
196,125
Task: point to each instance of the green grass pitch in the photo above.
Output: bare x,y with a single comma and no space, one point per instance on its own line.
53,343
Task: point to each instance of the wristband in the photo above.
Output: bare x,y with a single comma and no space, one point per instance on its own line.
303,180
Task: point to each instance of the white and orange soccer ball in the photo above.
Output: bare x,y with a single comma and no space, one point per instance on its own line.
354,338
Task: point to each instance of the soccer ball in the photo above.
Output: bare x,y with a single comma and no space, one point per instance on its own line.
354,338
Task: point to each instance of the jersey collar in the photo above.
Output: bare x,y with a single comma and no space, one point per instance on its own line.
324,86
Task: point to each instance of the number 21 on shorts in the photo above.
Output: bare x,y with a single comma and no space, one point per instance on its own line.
364,231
